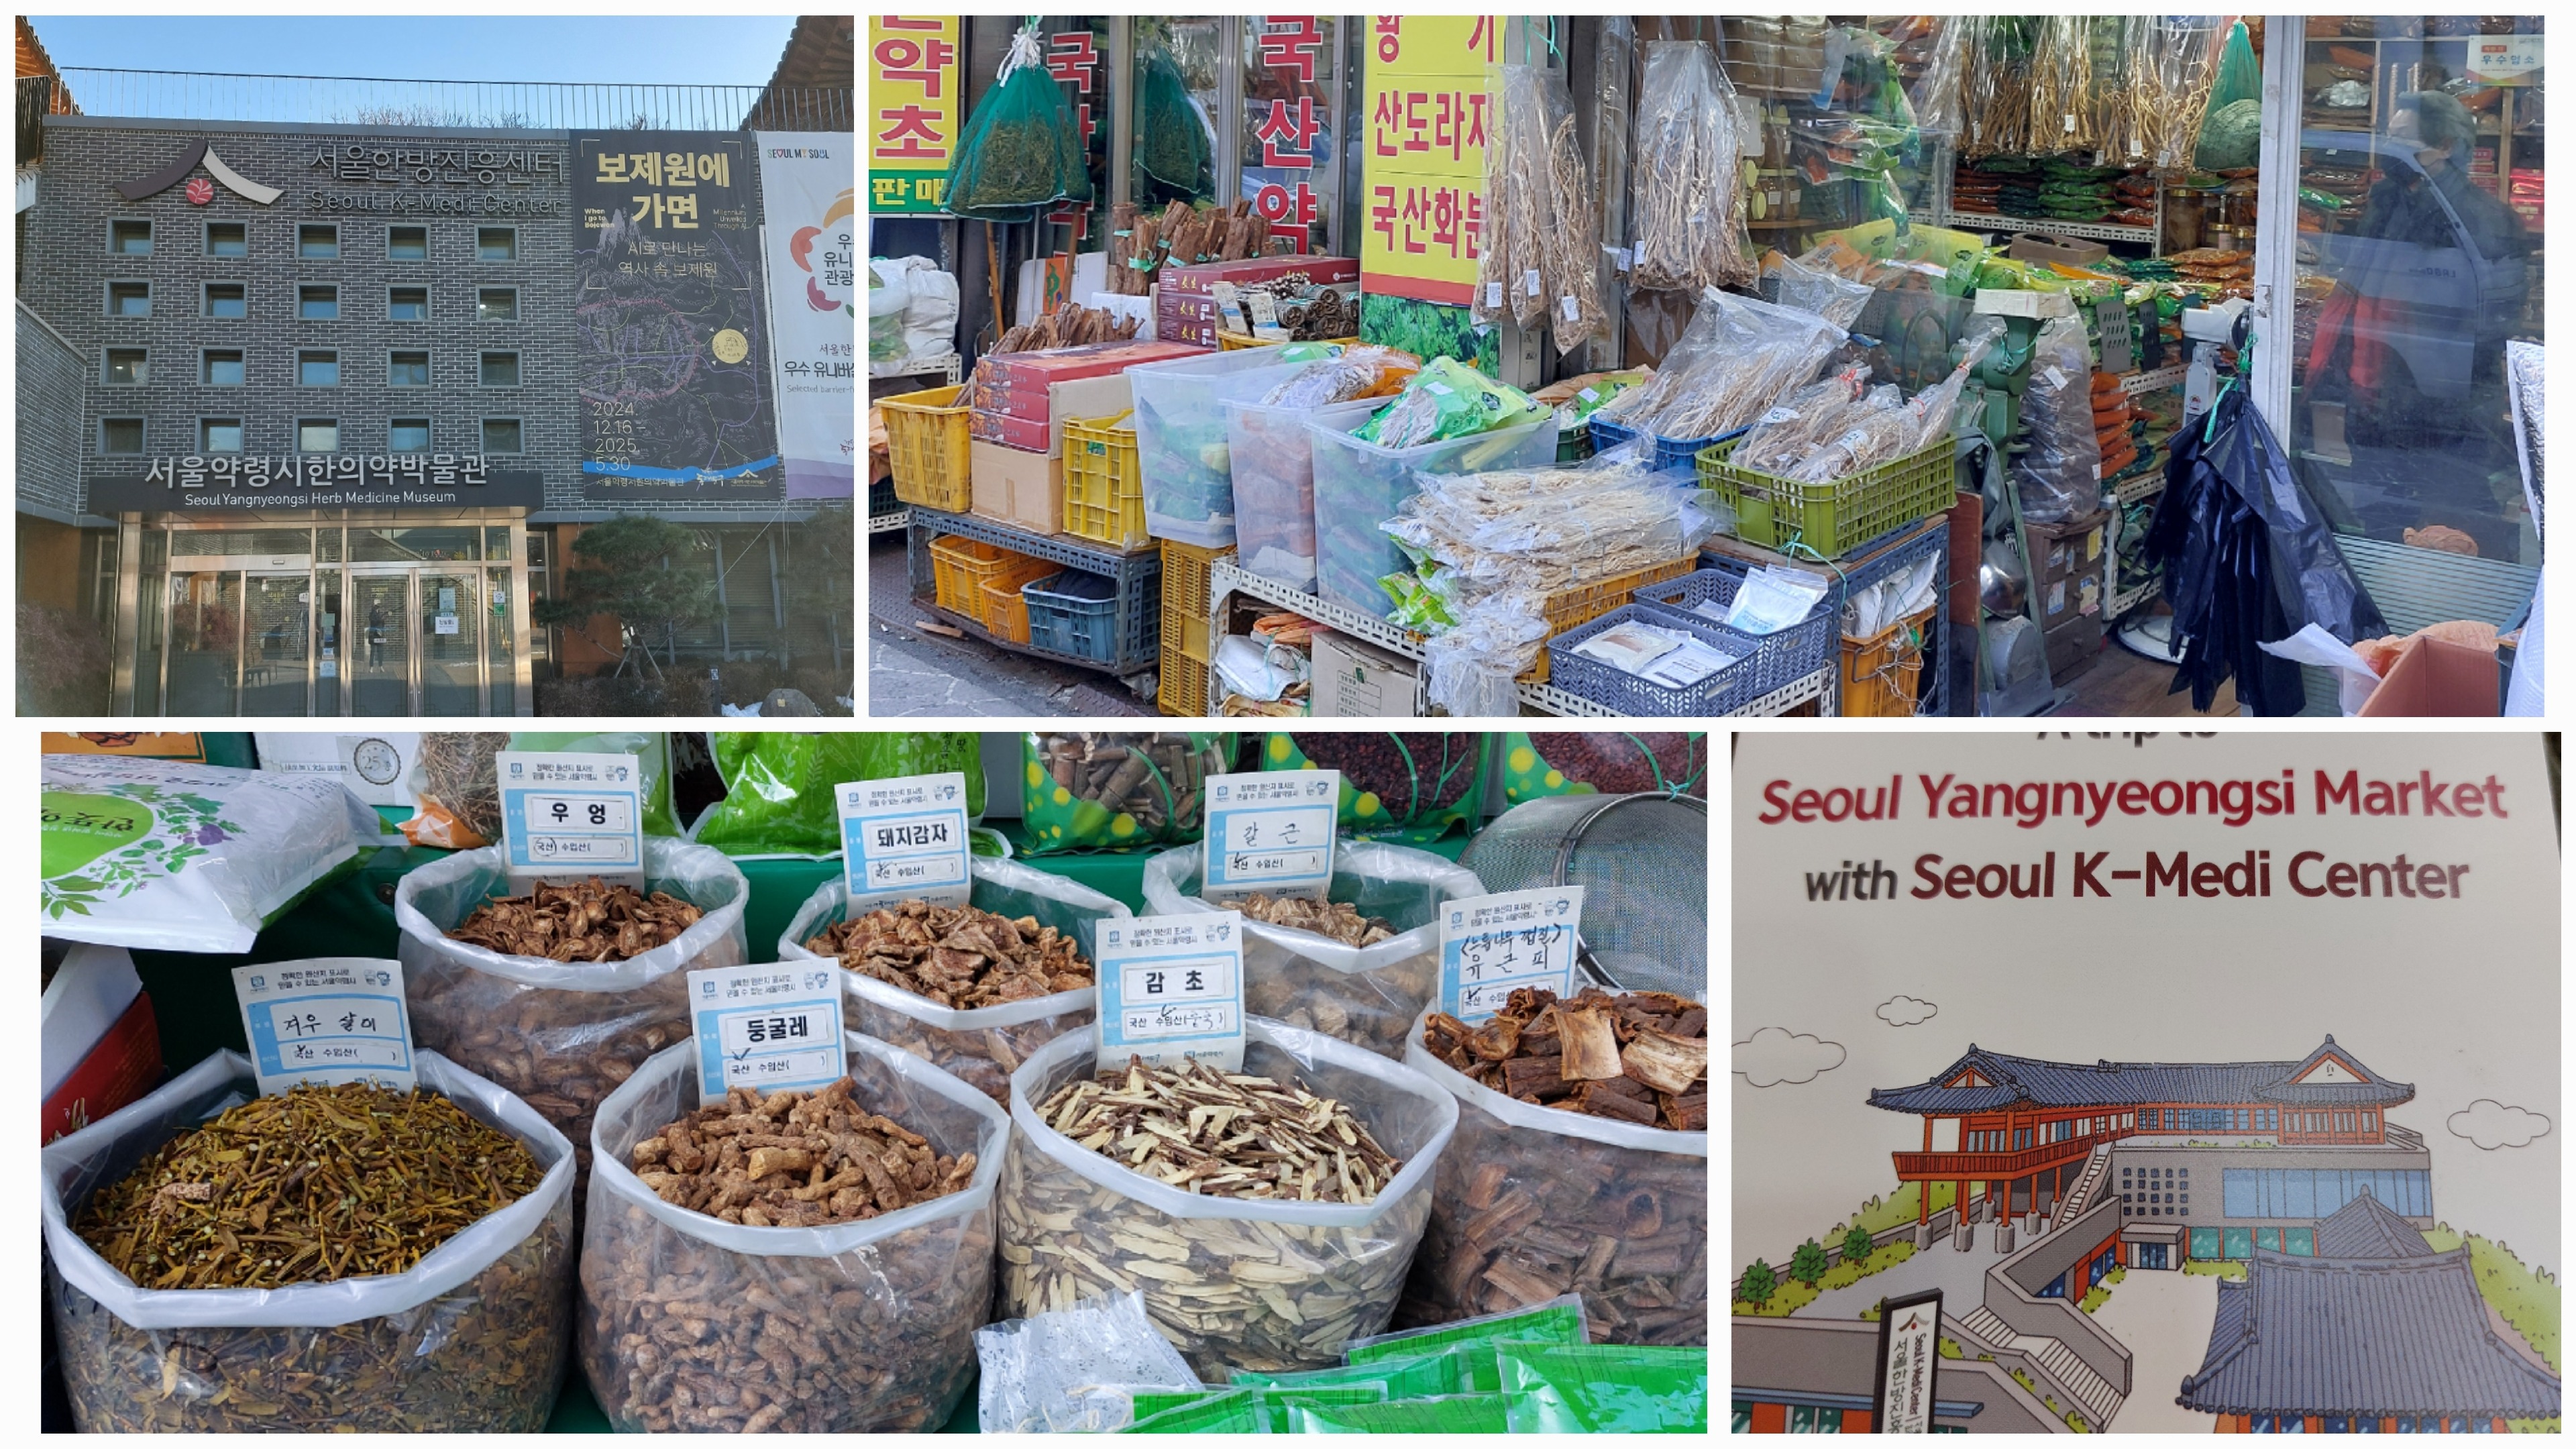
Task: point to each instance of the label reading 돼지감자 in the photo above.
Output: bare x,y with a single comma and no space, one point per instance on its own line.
905,840
1491,946
328,1020
1171,990
771,1028
1270,831
569,815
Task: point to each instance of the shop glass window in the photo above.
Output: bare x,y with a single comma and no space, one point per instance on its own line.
496,244
317,435
221,368
317,369
120,435
407,435
407,369
219,435
227,239
130,238
407,244
317,304
129,299
1290,126
1177,61
500,435
496,304
128,367
227,299
2420,182
500,369
317,239
407,304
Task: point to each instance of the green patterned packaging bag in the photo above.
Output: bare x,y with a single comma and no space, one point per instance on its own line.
782,786
1603,762
1607,1388
1104,790
1457,1414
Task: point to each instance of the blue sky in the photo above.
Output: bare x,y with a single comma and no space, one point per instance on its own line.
638,50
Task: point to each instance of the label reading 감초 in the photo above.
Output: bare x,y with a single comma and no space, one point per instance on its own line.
1171,990
1270,831
1491,946
569,815
905,840
328,1020
771,1028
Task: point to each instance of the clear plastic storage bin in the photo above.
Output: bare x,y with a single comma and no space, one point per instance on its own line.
1359,485
1274,484
1181,440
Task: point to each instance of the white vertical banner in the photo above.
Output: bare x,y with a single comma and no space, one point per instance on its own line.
808,189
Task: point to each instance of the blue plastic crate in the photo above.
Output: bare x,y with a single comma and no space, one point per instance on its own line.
1074,613
1881,557
1766,663
1808,644
1669,452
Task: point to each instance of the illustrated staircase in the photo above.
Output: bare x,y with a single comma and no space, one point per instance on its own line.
2097,1170
2056,1364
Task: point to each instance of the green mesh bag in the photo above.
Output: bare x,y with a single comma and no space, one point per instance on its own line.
1021,155
1174,159
2231,130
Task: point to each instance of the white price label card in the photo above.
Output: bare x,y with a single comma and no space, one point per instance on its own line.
327,1020
1493,294
569,815
1567,301
1491,946
1529,281
771,1028
1171,990
1265,309
905,840
1270,831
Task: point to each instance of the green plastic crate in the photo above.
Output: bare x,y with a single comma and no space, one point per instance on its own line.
1829,519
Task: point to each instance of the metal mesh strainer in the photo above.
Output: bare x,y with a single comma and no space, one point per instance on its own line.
1642,861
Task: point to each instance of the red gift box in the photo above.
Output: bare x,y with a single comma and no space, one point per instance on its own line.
1185,308
117,1072
1016,383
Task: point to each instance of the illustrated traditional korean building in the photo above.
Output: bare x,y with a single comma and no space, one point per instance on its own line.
2208,1159
2375,1333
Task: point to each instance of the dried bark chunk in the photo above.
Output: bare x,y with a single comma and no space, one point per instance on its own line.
960,957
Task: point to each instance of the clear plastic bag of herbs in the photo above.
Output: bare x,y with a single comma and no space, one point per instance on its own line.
1021,154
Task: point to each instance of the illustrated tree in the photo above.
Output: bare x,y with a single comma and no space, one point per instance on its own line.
639,571
1759,1283
1808,1263
1856,1244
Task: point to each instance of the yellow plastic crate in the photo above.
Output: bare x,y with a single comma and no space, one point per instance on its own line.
1005,612
1104,490
1568,608
1184,687
1883,674
926,441
1237,341
959,568
1187,597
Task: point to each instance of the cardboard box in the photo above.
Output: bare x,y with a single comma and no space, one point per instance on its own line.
2065,250
1354,680
117,1073
2068,563
2437,677
1016,486
1083,397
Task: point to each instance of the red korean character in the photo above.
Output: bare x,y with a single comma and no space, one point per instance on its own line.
1475,223
1389,41
1070,58
1414,214
911,134
1445,219
1291,48
924,63
1483,35
1298,131
1385,119
1445,116
1415,124
1382,213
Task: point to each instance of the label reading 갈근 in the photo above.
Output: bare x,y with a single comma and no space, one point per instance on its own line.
1171,990
905,840
1270,831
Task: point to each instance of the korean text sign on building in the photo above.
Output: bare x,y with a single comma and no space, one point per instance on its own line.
914,103
1423,153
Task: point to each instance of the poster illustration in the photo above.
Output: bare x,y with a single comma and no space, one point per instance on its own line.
808,196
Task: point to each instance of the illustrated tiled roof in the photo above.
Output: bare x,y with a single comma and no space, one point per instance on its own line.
2388,1330
2040,1083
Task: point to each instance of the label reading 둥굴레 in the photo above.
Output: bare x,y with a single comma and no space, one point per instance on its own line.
771,1028
568,815
328,1020
1270,831
905,840
1171,990
1491,946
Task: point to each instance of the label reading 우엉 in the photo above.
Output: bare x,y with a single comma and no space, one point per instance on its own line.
572,815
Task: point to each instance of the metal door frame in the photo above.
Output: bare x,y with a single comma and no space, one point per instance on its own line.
410,574
244,567
481,572
241,683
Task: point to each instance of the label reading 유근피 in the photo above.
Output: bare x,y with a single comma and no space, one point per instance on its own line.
1491,946
770,1028
1270,831
327,1020
569,815
1171,990
905,840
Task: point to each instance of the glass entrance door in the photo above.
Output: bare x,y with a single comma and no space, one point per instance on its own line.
276,642
205,642
451,642
377,626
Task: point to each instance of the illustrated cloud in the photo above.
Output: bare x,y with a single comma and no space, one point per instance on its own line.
1775,1054
2491,1125
1906,1011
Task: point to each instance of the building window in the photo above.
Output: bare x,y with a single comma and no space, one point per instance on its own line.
500,369
221,369
407,369
227,299
406,243
219,435
317,435
407,435
317,303
120,435
496,244
129,299
317,369
227,239
407,304
500,435
128,367
317,239
496,304
129,238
